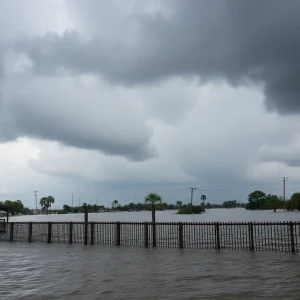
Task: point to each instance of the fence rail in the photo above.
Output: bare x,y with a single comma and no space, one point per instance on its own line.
281,236
2,225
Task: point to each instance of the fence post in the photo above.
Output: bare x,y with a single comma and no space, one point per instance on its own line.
49,232
180,231
153,235
251,236
217,235
118,238
71,233
29,232
86,233
92,233
292,236
11,232
86,213
146,235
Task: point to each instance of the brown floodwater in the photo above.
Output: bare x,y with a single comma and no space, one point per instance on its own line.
58,271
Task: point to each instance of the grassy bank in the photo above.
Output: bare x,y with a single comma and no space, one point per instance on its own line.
188,210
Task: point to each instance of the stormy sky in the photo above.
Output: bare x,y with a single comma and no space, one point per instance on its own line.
114,99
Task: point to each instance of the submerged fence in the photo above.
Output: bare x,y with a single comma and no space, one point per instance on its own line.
281,236
2,225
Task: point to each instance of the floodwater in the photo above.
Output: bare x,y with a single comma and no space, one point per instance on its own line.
39,271
211,215
59,271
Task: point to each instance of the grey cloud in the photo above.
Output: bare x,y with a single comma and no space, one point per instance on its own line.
39,110
238,41
1,77
26,121
287,154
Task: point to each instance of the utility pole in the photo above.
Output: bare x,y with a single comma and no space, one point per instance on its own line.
192,194
284,179
73,202
35,196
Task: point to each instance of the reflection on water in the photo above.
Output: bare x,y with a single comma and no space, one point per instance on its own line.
211,215
38,271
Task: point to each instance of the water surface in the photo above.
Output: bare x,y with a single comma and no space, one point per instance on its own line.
211,215
39,271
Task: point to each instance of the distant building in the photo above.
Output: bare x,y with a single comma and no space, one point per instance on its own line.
4,209
36,212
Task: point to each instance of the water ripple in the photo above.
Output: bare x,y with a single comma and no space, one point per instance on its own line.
39,271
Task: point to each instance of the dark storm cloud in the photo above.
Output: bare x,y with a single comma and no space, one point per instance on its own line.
49,120
239,41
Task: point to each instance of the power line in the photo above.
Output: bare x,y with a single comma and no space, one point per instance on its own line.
222,189
234,190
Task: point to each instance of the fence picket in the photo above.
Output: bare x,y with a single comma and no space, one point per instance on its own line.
275,236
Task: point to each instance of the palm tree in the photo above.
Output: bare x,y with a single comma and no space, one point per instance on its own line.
43,202
153,199
50,200
115,203
179,203
46,202
203,198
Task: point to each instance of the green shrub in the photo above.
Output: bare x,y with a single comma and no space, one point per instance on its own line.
186,210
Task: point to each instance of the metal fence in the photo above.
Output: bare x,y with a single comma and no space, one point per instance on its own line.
2,225
281,236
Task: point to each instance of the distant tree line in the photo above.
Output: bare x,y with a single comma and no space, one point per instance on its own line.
116,207
146,206
16,207
260,200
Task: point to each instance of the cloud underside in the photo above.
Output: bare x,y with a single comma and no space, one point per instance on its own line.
241,42
155,72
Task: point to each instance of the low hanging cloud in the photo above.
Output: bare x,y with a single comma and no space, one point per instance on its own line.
240,42
286,154
86,118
